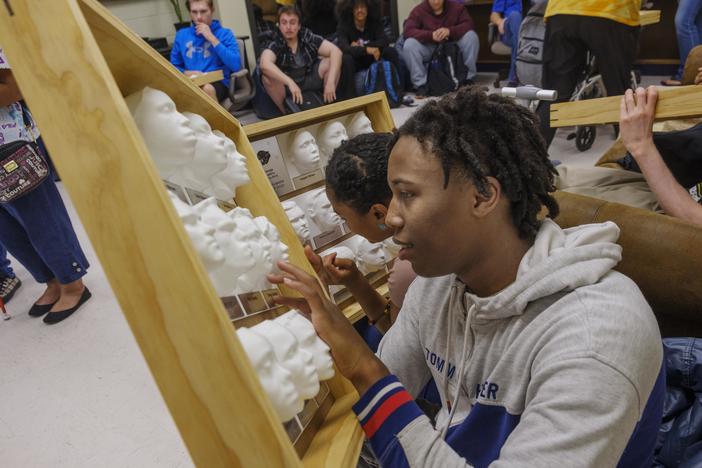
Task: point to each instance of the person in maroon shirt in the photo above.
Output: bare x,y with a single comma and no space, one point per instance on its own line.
430,23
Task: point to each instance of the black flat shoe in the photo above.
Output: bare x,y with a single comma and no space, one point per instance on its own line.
56,317
39,310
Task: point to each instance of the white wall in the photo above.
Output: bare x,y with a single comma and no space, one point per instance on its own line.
403,10
148,18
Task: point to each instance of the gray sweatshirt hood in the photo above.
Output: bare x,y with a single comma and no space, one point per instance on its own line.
560,260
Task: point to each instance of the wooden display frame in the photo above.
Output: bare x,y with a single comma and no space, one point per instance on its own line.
75,62
376,108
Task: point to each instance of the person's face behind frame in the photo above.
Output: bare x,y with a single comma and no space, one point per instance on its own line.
200,12
365,225
437,227
289,26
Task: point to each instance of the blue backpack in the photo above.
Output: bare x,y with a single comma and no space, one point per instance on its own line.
383,76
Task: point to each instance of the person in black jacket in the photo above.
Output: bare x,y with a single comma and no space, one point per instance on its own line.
360,34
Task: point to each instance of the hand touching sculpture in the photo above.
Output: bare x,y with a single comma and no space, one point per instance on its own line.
275,380
299,362
303,151
309,341
298,220
369,257
166,132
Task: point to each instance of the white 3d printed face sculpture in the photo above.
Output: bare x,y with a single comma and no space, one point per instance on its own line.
369,257
341,251
298,362
309,341
275,380
279,251
201,234
358,125
298,220
247,232
210,156
239,257
391,248
303,150
166,132
329,138
320,210
225,182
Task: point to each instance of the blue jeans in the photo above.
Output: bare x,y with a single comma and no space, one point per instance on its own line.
37,231
5,268
417,55
511,39
688,26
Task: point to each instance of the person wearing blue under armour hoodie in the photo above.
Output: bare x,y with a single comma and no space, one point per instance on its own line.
542,353
206,46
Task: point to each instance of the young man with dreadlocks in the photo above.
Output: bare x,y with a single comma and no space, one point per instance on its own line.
543,355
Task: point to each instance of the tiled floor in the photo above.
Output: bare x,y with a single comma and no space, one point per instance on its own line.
78,394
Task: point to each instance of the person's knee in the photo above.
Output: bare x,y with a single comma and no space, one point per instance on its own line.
390,53
412,47
514,18
469,40
348,64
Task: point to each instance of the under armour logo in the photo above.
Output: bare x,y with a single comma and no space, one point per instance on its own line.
191,49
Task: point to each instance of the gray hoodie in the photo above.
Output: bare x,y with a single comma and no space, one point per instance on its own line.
560,368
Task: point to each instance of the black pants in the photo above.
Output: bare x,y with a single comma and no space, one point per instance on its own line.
568,39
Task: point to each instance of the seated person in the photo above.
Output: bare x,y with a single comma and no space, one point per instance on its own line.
206,46
543,355
507,15
299,60
430,23
361,35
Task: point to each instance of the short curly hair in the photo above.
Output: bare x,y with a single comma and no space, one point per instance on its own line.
358,171
484,135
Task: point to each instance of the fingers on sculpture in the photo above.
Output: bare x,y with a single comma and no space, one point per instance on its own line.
370,257
299,362
320,211
309,341
167,133
201,235
303,151
298,220
358,124
341,251
235,174
329,137
275,379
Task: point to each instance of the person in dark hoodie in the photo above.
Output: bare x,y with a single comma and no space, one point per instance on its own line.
429,24
206,46
542,353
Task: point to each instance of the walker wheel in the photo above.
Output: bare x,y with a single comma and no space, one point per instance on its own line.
585,137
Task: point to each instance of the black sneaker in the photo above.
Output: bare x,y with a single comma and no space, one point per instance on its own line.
8,287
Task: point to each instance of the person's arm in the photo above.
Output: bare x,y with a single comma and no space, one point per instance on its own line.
497,19
228,50
272,72
177,56
414,28
637,112
9,91
462,26
329,50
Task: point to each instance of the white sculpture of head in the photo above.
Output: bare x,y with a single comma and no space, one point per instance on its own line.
248,232
225,183
391,248
329,137
298,220
275,379
210,156
341,251
239,258
166,132
319,210
370,257
309,341
279,251
303,151
201,234
359,124
299,362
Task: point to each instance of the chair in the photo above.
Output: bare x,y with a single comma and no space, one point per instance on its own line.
498,47
241,85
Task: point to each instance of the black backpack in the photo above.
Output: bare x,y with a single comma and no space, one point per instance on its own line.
310,100
446,69
383,76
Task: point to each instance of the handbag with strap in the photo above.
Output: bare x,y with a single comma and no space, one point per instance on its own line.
22,166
